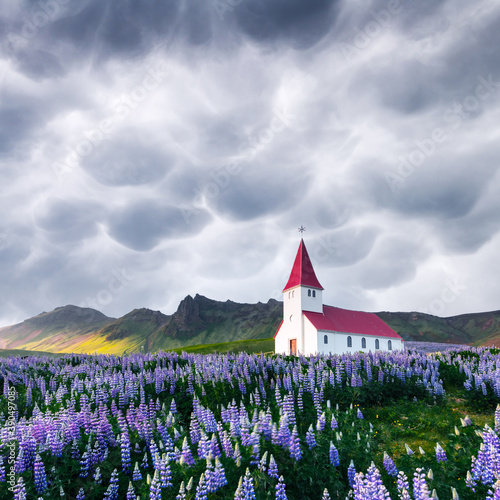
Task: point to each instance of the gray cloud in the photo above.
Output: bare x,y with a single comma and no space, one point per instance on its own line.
141,225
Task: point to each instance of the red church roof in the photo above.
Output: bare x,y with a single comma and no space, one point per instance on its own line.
302,271
343,320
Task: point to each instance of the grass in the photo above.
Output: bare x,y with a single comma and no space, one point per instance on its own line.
250,346
7,353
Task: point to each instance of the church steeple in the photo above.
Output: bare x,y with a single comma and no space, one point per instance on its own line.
302,271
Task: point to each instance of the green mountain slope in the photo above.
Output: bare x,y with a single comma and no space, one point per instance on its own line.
475,329
54,331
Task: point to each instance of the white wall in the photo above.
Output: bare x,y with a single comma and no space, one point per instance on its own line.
337,343
314,304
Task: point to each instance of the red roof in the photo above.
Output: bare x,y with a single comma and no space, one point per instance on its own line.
343,320
302,271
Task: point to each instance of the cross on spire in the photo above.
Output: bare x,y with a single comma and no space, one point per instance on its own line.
301,229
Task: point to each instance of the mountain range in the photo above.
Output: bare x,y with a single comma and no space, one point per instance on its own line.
199,320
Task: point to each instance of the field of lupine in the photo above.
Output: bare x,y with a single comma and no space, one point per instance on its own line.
169,426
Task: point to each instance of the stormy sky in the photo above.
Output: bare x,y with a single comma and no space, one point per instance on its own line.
154,149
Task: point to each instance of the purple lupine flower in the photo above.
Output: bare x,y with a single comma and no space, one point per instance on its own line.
310,438
186,456
389,465
495,494
203,446
334,455
97,476
2,470
263,462
248,489
237,454
165,472
420,488
173,407
153,449
40,477
333,424
326,495
112,491
351,472
219,474
369,487
226,444
359,414
403,486
284,431
272,471
182,492
238,494
294,445
440,453
145,461
214,446
321,422
136,474
20,490
201,489
210,479
130,492
280,490
125,452
81,495
84,465
155,487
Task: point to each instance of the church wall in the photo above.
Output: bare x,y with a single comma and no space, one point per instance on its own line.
310,338
337,343
314,304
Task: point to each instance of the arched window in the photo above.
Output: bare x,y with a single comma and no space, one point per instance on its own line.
308,293
349,341
293,294
377,344
289,295
325,339
314,293
389,345
363,343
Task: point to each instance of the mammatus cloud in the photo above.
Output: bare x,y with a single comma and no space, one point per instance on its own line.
153,149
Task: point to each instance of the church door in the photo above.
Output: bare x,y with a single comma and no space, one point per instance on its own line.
293,347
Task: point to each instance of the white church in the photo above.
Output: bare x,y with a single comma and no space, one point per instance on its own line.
309,327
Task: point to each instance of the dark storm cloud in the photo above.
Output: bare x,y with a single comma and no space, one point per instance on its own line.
17,120
68,221
302,24
142,225
344,247
394,261
128,158
250,195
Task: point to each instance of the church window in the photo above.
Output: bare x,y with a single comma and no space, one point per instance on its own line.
389,345
325,339
308,293
293,294
363,343
349,341
314,293
377,344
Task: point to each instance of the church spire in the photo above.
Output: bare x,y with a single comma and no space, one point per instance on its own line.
302,271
